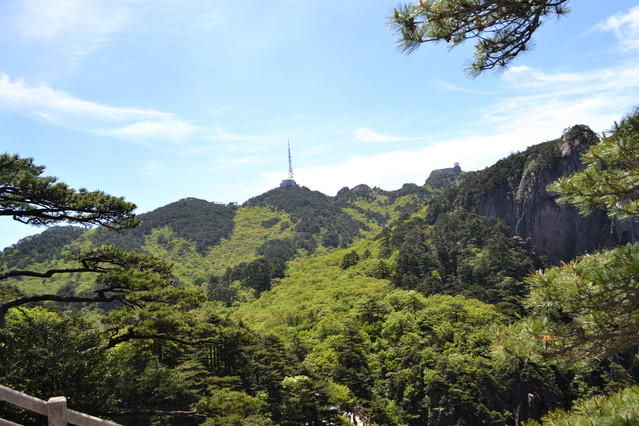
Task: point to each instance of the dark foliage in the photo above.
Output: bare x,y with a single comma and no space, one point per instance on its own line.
462,253
314,214
257,275
437,183
37,200
440,181
39,248
409,189
283,249
352,368
200,221
501,29
350,259
269,363
46,356
360,192
271,222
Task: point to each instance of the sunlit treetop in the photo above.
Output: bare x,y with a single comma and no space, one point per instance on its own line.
502,29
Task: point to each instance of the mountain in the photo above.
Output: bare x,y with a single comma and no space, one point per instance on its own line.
221,236
210,238
514,190
384,299
309,218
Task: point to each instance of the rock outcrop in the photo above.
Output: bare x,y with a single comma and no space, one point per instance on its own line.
514,190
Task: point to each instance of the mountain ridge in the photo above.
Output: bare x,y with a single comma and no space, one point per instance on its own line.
512,190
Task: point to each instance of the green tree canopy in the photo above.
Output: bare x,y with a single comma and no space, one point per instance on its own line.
502,29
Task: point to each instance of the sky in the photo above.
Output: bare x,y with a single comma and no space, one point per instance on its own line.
159,100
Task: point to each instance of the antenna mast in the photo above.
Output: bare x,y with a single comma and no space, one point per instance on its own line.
289,182
290,163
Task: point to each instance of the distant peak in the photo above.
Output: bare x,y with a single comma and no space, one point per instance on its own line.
577,139
448,170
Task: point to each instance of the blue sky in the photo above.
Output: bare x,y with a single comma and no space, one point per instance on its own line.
158,100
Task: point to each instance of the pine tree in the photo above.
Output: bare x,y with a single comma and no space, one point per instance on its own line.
502,29
148,304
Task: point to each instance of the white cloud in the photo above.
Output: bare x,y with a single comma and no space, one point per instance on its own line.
167,129
226,163
74,27
63,109
152,168
544,102
20,96
43,20
455,88
364,134
625,26
540,105
391,170
584,82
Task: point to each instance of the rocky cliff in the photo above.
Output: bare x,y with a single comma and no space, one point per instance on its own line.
514,190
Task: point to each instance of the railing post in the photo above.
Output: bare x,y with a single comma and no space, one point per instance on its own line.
57,411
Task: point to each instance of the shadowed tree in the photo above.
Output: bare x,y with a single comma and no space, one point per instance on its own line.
39,200
139,285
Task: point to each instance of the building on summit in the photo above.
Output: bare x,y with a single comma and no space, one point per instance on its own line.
450,170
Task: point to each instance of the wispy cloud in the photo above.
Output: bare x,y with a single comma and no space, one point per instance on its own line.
545,102
42,20
609,78
625,26
226,163
152,168
538,107
364,134
62,109
75,27
168,128
249,144
455,88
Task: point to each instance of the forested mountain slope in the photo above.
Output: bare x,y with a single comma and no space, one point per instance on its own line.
249,245
415,359
216,236
221,244
386,300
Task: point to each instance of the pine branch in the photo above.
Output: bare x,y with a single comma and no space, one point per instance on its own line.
47,274
4,307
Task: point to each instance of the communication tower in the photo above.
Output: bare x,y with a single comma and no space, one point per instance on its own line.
289,181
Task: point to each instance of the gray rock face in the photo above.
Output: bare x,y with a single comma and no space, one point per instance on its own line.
557,230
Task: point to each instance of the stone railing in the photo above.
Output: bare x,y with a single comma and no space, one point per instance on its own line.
55,409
